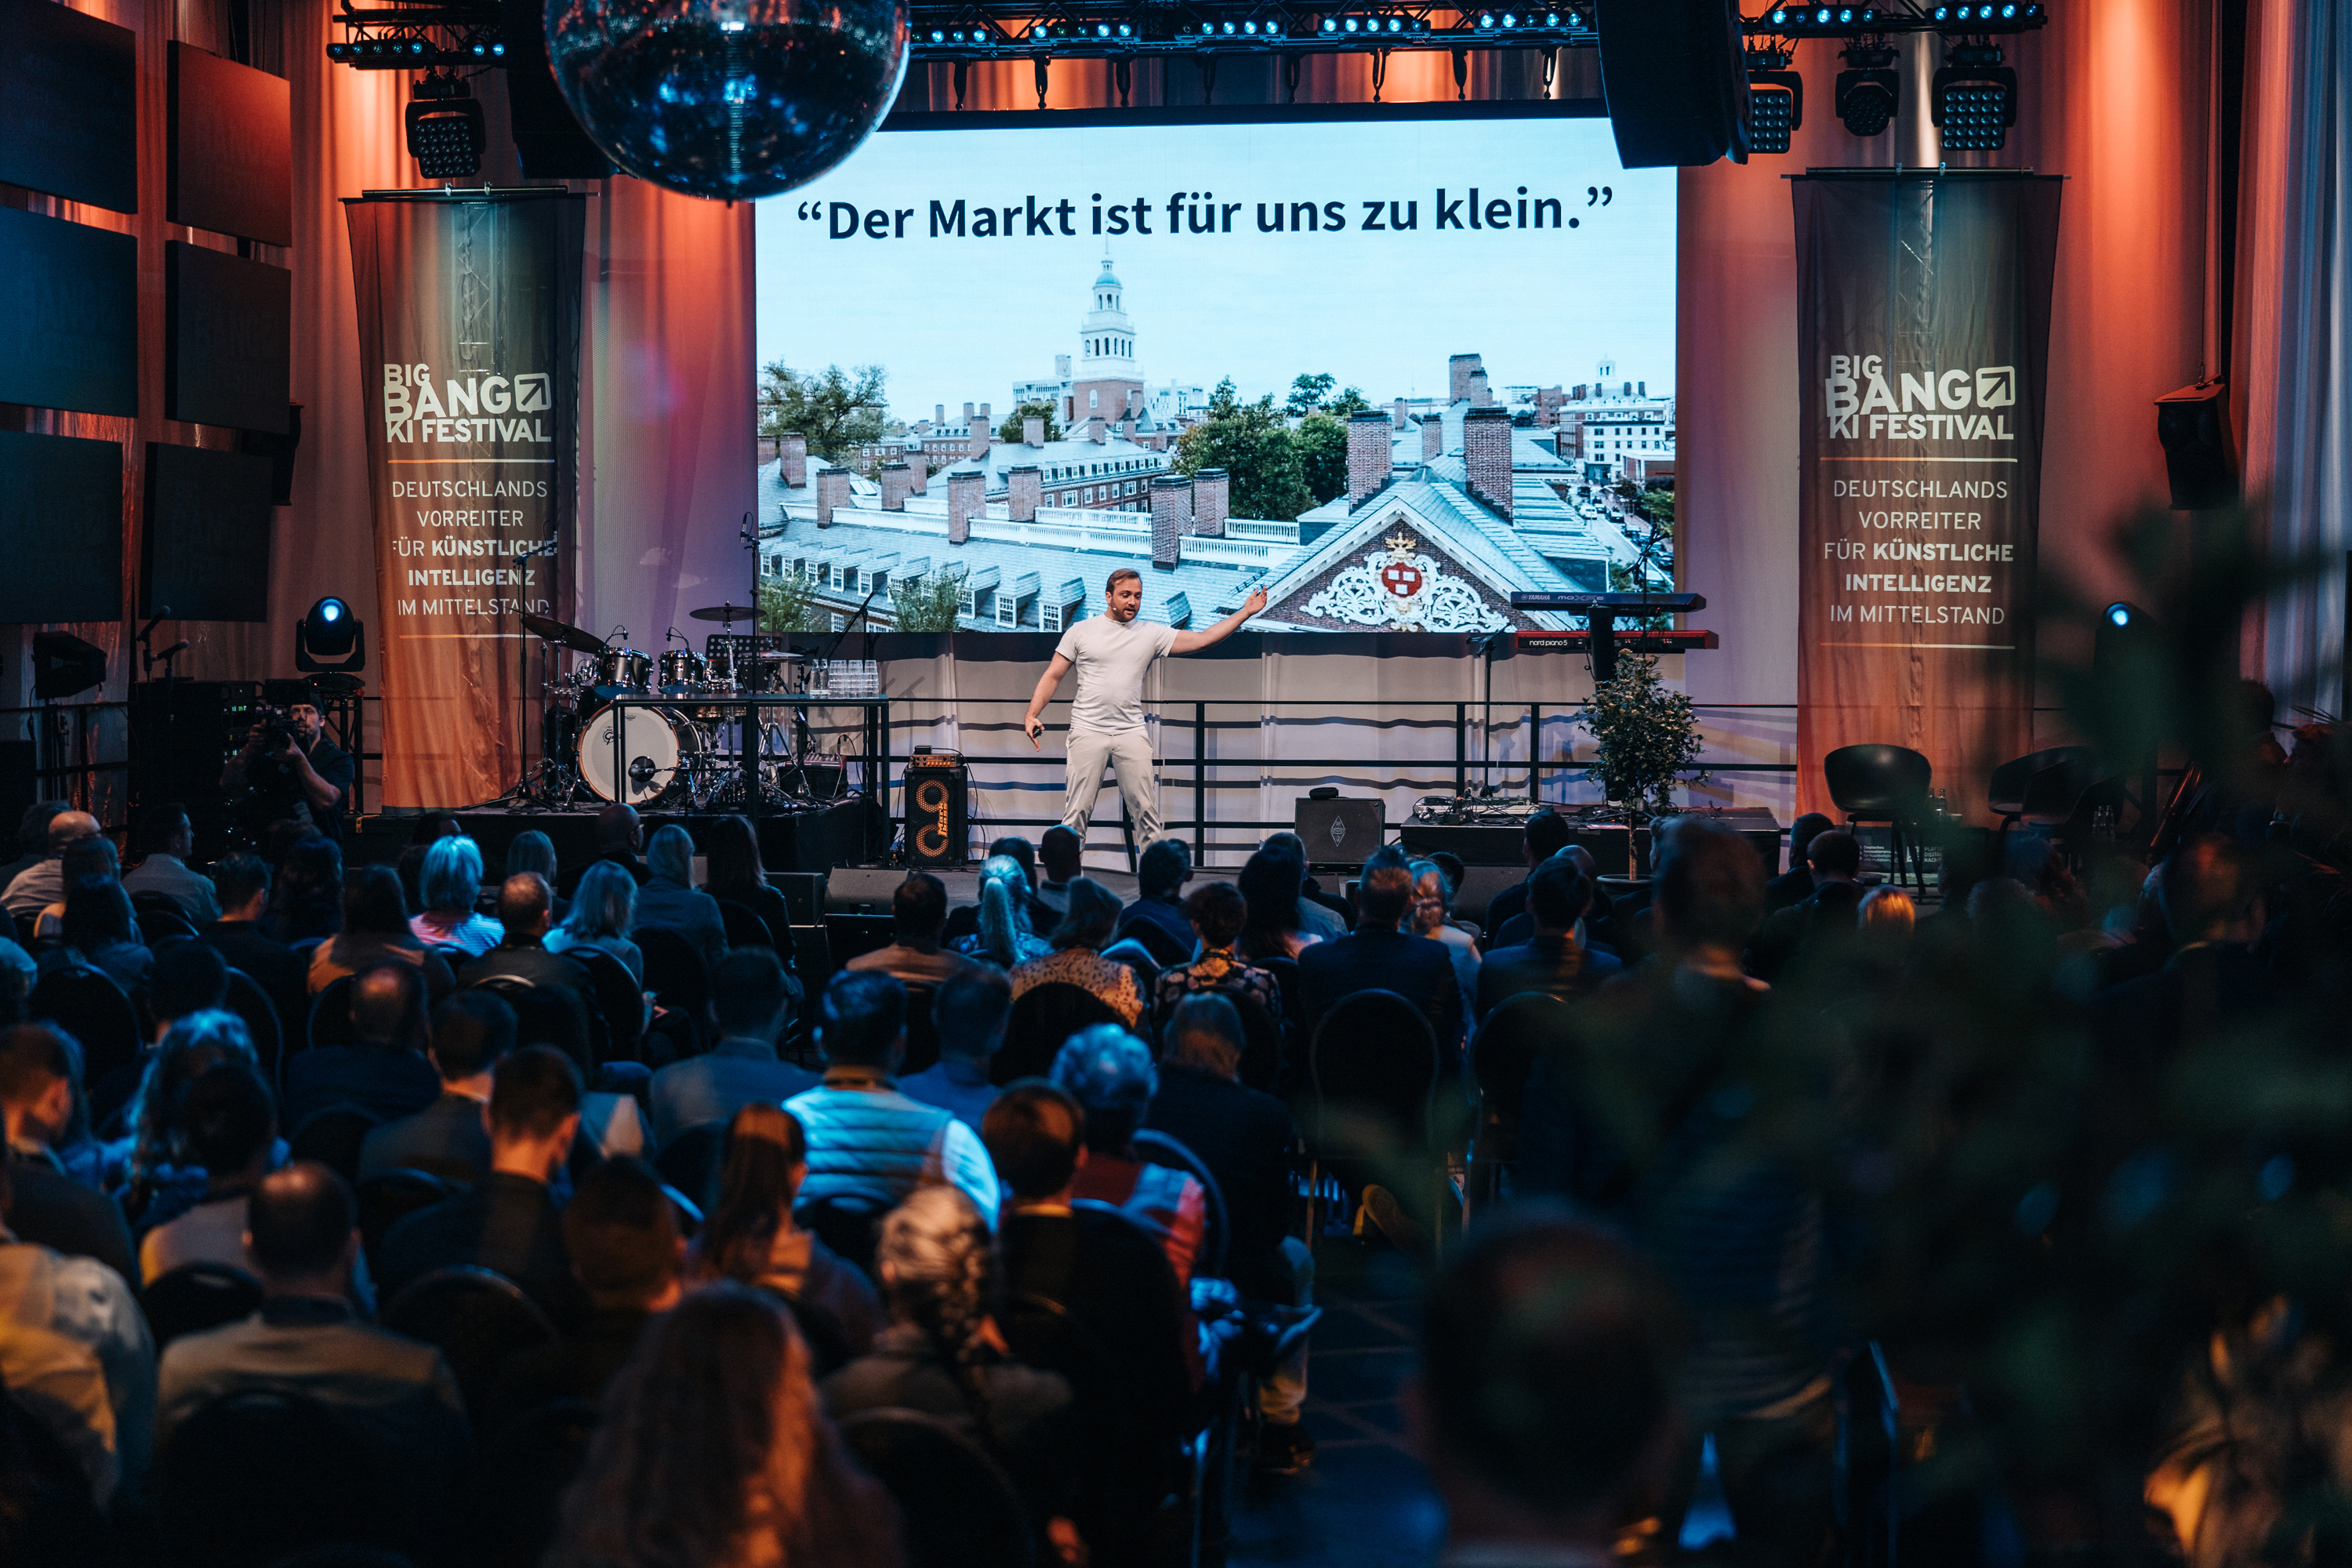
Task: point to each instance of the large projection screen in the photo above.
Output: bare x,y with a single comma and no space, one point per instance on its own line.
1041,330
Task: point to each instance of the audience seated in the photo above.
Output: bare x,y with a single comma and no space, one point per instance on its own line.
1819,927
243,881
186,977
1061,859
1545,1410
161,1181
669,900
2212,904
751,1008
732,870
969,1013
944,1355
1214,916
227,1126
619,837
1795,885
75,1354
1109,1073
535,851
375,931
1320,914
865,1137
750,1236
302,1241
713,1450
163,842
602,910
918,910
1002,934
43,883
1553,961
622,1234
91,858
32,838
1543,835
1379,955
448,887
423,832
1431,916
308,899
38,1064
1161,873
525,909
100,930
383,1071
1077,959
510,1223
472,1032
1275,924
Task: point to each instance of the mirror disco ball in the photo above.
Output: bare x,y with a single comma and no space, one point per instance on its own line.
731,100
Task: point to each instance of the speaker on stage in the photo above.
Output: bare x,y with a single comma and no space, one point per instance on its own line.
939,824
1675,74
861,890
2193,425
1338,833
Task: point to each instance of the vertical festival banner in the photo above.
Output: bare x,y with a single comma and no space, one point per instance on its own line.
469,348
1923,340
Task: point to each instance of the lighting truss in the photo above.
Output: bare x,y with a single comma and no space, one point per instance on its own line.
415,37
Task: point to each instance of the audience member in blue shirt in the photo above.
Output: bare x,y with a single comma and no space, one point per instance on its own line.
970,1012
752,1005
670,898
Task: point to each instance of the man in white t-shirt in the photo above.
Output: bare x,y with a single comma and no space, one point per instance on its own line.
1111,652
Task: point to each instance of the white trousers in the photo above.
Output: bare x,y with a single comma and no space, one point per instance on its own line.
1128,754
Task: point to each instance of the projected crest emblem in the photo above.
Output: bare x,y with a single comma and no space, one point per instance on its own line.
1399,588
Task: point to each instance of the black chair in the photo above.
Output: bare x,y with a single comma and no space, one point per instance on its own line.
259,1474
1883,784
1502,1054
1372,1071
1044,1016
744,926
1157,1148
476,1316
390,1196
957,1508
527,1464
28,926
618,995
849,1223
1157,940
330,1014
198,1296
690,1159
253,1007
332,1136
86,1004
1263,1057
1137,957
1291,983
2005,791
828,1341
676,972
922,1029
2058,798
158,925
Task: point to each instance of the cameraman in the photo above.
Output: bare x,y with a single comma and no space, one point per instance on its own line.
296,774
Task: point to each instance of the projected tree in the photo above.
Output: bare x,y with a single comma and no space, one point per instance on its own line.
1307,393
839,411
1253,445
1010,429
1322,456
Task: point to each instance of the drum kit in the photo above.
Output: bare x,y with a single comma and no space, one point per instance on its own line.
681,751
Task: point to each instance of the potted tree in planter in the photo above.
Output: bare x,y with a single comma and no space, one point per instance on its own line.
1645,738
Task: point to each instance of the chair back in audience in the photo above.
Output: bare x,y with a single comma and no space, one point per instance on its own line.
252,1005
1505,1049
848,1223
922,1029
744,926
390,1196
198,1296
161,922
28,925
1290,982
527,1464
618,995
330,1014
690,1161
332,1136
676,972
828,1340
86,1004
1373,1065
957,1507
259,1474
1158,941
1137,957
1043,1017
476,1316
1263,1058
1157,1148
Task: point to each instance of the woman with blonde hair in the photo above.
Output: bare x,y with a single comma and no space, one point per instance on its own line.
1004,937
713,1453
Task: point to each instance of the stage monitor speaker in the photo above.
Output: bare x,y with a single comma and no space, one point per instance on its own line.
546,137
2193,424
1338,833
65,666
1675,74
803,895
280,450
1479,886
861,890
938,823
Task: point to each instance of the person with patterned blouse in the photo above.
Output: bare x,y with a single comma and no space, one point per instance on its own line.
1218,913
1077,959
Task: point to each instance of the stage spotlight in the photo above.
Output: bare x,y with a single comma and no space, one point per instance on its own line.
1869,93
1973,101
445,129
1776,106
2120,616
331,638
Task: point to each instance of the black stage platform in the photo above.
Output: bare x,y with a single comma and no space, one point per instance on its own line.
847,833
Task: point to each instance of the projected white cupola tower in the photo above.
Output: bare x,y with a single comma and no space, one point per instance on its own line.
1109,380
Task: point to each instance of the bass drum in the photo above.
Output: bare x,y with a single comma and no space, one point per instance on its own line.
657,746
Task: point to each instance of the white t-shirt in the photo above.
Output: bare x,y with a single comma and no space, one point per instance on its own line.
1110,658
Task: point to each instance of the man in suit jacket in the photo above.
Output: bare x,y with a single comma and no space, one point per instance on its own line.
526,909
383,1070
1551,961
1795,885
36,1097
749,999
510,1223
1378,955
1821,925
1543,835
471,1031
243,881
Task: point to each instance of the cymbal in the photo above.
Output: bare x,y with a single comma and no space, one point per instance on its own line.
724,613
562,633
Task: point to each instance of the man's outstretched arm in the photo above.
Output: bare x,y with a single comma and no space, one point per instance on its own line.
1032,724
1188,642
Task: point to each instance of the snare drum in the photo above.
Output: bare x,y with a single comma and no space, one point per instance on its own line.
656,748
624,670
681,671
